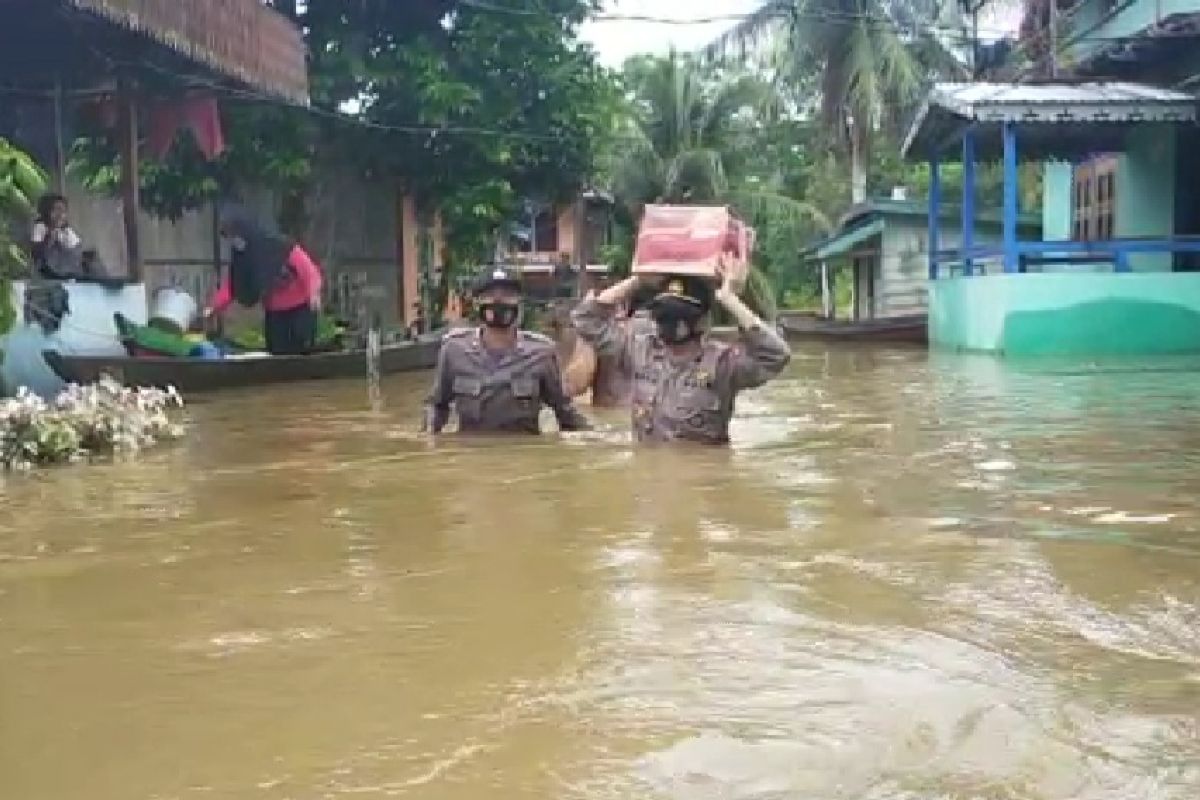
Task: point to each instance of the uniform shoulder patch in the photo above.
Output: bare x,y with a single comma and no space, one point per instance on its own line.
536,338
458,339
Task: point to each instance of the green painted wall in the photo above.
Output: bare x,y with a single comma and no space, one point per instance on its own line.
1067,314
1056,201
1146,191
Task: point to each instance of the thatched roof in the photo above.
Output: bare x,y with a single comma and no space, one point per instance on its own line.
163,43
240,39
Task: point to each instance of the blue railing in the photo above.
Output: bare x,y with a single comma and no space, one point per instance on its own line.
1116,252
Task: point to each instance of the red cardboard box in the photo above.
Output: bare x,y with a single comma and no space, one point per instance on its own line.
690,240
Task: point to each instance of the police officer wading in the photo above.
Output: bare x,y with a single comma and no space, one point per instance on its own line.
496,376
684,383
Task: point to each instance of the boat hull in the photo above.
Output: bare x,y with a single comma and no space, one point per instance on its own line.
192,376
910,330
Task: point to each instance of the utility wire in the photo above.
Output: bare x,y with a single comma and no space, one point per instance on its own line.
434,131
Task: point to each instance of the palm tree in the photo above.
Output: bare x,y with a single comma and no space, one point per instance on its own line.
685,139
862,62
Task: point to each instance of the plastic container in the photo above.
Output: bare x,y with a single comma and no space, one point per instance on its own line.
207,351
174,307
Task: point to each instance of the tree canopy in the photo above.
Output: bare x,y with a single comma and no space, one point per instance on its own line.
476,107
855,65
469,105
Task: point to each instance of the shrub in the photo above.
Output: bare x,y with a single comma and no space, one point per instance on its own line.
100,419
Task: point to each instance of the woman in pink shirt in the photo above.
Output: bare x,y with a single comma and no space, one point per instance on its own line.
273,270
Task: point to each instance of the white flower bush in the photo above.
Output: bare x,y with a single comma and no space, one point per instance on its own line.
100,419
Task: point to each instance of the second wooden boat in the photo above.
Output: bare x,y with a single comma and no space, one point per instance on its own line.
909,329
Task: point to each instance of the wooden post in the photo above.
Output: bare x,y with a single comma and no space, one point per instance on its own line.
580,248
374,393
1011,206
60,151
935,212
130,180
854,289
1053,39
826,310
968,201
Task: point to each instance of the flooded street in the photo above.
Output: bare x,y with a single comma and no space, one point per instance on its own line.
913,577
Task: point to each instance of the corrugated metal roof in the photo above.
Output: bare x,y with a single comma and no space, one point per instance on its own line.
863,221
845,240
954,105
974,99
239,39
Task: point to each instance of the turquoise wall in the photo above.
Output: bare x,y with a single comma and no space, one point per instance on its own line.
1067,314
1145,194
1056,201
1145,189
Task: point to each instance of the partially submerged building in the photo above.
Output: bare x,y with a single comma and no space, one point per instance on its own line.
1112,271
885,246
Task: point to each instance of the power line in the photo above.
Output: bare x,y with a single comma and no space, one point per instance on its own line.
782,15
434,131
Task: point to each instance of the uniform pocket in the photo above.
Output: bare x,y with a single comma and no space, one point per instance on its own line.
524,388
699,400
698,414
467,387
468,394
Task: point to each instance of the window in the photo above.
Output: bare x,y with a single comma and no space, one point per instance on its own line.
545,232
1094,199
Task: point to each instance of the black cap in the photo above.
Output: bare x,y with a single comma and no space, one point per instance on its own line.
685,290
496,277
643,297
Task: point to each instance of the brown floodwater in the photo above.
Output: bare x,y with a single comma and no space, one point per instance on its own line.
912,577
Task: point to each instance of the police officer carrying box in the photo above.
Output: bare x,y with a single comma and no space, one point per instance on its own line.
497,376
684,383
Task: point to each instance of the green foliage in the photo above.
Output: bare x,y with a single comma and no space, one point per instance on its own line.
22,182
269,146
468,107
858,66
524,106
695,133
252,339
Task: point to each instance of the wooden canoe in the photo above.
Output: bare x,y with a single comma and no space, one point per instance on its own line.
911,329
190,376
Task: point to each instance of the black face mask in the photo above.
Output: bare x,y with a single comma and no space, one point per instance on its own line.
677,329
499,315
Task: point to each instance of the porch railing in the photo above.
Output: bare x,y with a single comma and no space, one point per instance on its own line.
967,262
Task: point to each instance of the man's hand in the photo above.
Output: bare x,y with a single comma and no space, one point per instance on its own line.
727,296
729,288
619,292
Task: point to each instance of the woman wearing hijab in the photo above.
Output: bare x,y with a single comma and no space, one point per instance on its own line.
272,270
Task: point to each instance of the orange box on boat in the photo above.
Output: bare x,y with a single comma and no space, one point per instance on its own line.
690,240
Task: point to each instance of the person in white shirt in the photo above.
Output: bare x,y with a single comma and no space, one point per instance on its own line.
57,250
